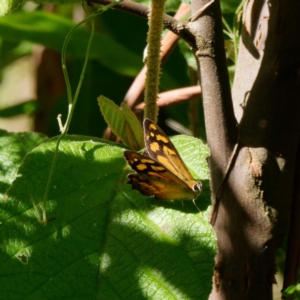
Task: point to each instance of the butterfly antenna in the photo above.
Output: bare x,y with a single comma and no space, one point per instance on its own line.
194,201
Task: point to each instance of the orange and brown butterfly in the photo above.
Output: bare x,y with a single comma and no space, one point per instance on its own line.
160,171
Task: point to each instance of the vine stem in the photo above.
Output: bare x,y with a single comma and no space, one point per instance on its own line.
72,101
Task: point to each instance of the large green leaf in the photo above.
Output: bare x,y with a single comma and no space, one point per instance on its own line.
103,239
13,148
50,30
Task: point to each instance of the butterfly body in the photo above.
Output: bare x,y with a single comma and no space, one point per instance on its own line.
160,171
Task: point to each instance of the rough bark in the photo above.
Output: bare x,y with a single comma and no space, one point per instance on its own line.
256,198
220,123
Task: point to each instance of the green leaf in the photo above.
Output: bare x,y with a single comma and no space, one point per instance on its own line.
12,50
289,290
133,128
103,239
195,153
229,6
123,123
28,107
8,6
50,30
13,148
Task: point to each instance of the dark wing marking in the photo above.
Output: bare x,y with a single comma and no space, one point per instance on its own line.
153,178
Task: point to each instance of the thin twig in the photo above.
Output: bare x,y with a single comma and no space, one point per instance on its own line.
230,165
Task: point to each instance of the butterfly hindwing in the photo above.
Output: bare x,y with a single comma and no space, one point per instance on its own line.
160,188
154,179
160,171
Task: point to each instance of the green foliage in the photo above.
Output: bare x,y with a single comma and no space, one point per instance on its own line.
195,152
229,6
8,6
104,73
13,148
28,107
50,30
103,240
123,123
292,290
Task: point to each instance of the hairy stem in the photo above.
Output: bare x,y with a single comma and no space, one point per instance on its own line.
153,58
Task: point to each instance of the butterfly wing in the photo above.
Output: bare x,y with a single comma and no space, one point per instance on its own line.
161,149
153,178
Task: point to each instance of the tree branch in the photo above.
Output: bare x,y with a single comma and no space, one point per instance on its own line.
220,121
173,97
142,11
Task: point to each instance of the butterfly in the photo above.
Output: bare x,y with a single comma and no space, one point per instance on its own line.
160,171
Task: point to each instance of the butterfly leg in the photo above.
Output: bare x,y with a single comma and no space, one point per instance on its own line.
194,201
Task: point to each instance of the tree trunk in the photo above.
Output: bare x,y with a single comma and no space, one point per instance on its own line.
256,199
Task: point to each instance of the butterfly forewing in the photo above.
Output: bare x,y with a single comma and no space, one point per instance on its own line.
161,149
